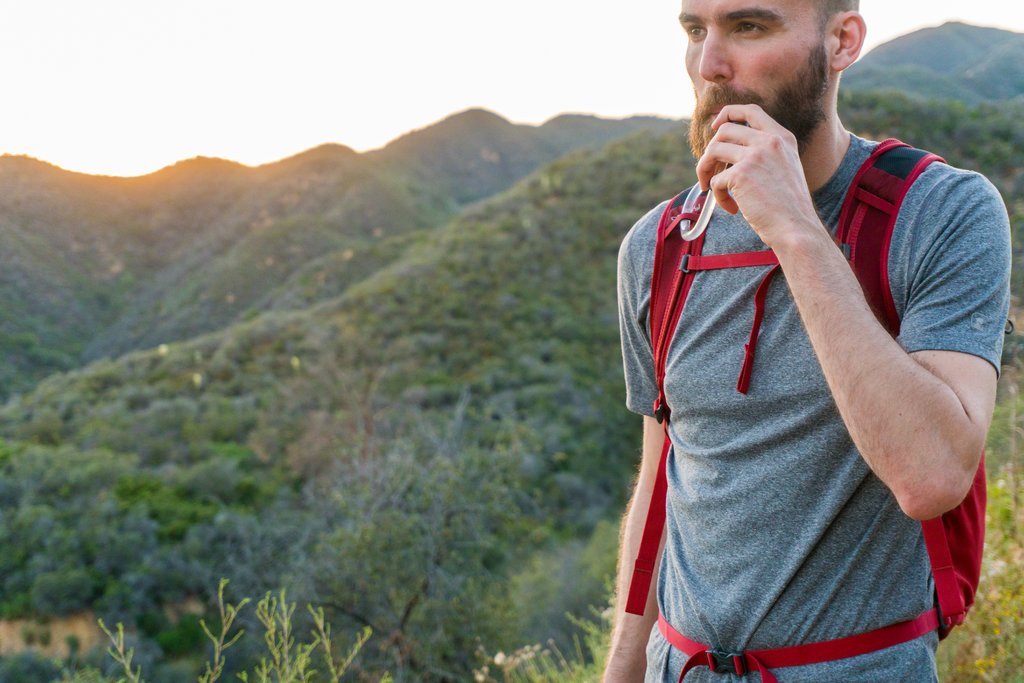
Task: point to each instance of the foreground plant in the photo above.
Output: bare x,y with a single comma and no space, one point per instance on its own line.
537,664
120,655
288,661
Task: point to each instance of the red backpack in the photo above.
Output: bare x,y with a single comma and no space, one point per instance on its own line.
954,540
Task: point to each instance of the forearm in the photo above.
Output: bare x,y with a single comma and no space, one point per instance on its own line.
627,659
909,425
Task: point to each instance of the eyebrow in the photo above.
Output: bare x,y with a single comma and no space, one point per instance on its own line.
761,13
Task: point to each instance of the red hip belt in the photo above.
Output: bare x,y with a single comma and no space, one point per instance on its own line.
762,661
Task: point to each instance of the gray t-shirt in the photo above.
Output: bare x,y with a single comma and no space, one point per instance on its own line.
778,532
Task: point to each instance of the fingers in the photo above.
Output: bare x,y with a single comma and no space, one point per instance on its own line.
720,187
718,156
747,144
749,114
725,149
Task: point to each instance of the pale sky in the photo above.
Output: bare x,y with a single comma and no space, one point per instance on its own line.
125,87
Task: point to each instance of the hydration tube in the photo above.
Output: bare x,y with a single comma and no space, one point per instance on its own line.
704,202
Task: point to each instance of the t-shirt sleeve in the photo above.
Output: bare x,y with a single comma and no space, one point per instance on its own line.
957,274
634,281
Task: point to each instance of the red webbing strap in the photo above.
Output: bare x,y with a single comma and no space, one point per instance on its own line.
951,600
647,555
671,308
742,260
661,340
738,260
743,383
661,278
799,655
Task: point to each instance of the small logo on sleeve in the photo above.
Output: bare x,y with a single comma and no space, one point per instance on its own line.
979,322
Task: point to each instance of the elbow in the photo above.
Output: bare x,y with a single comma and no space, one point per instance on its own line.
923,507
937,492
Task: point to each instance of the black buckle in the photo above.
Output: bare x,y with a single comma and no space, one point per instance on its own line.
728,662
684,263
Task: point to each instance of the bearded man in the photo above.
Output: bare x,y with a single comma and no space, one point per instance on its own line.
793,510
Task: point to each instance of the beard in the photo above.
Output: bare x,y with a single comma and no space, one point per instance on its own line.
798,106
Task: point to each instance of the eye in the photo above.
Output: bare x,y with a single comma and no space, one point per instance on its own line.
747,27
694,33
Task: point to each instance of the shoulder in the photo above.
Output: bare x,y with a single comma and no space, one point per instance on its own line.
949,264
636,253
644,233
952,205
947,190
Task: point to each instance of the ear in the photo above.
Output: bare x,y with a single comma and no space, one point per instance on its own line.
844,39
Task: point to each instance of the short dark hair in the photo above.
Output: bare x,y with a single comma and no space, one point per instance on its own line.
830,8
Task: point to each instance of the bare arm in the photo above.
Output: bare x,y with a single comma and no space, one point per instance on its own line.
919,420
627,658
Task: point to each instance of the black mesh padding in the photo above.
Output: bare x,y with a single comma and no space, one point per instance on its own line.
899,161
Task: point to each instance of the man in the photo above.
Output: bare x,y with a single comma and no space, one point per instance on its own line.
792,510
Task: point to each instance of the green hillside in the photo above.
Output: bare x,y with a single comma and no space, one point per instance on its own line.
96,266
483,364
954,61
439,452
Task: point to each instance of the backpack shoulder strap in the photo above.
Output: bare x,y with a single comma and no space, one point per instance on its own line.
954,540
668,250
669,287
869,216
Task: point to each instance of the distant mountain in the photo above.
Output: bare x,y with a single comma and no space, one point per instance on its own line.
954,61
478,153
94,266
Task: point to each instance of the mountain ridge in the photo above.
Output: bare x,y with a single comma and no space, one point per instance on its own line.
955,60
205,242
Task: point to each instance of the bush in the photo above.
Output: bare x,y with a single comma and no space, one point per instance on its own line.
63,591
27,667
184,637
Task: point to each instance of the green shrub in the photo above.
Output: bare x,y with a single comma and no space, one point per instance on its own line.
63,591
183,638
27,667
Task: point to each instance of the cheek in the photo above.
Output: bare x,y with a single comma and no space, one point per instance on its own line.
693,62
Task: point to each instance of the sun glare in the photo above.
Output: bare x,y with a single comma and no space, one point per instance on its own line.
125,88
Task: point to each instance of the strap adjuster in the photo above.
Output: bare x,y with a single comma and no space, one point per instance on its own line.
723,662
660,411
684,263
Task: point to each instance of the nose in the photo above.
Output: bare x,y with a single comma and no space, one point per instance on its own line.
715,64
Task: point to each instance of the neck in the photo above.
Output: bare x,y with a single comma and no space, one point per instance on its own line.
825,151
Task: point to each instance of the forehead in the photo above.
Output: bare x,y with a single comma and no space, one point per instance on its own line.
789,10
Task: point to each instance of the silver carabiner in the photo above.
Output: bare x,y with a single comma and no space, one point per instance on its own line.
690,205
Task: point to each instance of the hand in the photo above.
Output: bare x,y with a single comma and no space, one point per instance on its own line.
765,179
